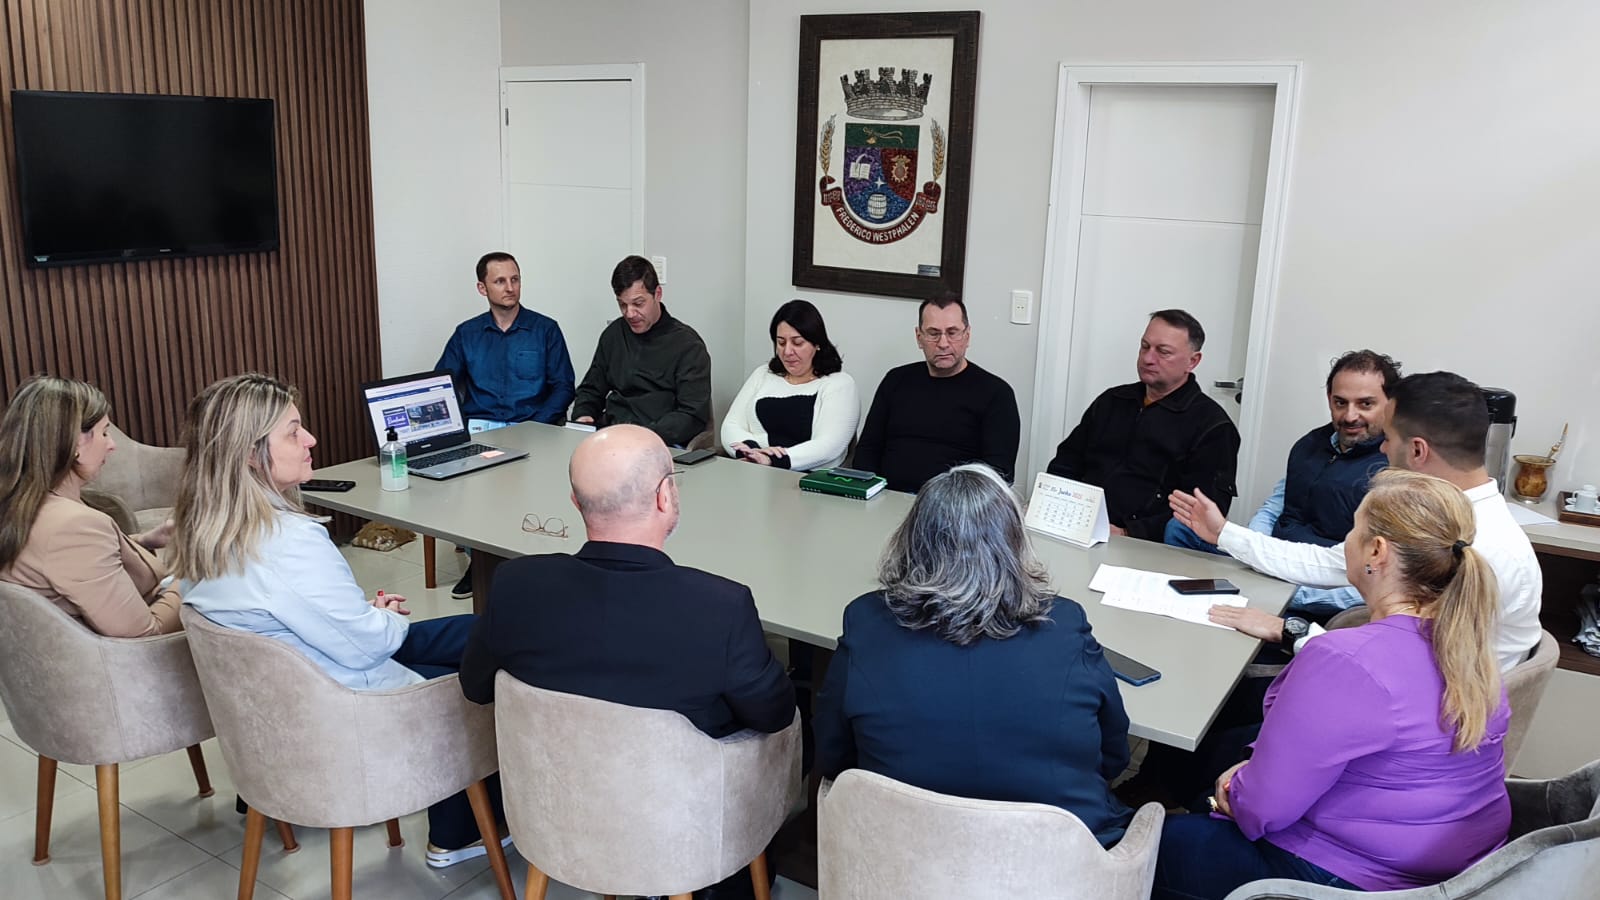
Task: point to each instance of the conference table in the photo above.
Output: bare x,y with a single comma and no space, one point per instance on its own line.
805,556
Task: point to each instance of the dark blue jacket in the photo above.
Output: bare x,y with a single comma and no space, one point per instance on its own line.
1323,487
1035,717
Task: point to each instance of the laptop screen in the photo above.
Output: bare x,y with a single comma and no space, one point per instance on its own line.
422,410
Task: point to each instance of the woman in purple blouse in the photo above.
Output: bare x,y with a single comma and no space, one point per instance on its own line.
1379,765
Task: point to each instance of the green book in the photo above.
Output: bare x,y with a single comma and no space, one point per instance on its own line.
826,481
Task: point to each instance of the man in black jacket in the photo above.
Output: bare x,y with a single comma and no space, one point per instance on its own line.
619,621
1142,441
649,368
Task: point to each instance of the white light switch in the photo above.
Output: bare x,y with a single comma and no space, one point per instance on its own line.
660,262
1021,307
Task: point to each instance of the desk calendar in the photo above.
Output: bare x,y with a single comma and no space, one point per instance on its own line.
1070,510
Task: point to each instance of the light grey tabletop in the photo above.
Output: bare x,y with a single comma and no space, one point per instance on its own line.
806,556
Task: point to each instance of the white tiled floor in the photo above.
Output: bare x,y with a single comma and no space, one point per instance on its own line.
176,845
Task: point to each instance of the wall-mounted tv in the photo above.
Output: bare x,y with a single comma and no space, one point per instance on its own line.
134,176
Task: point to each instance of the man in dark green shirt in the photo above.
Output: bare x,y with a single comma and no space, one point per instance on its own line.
649,369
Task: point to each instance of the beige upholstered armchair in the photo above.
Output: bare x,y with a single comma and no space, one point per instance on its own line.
1553,854
1525,686
138,485
303,748
621,800
77,697
880,839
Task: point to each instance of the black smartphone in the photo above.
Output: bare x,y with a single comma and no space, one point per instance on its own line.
690,457
856,474
1203,586
1130,670
324,484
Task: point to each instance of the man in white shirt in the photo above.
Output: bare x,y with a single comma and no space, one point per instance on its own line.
1438,424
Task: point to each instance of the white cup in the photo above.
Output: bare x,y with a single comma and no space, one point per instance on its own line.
1585,500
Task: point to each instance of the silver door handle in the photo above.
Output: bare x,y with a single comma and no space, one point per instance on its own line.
1235,385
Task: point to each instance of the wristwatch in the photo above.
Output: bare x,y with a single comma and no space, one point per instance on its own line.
1294,628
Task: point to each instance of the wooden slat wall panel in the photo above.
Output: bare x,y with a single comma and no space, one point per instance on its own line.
152,333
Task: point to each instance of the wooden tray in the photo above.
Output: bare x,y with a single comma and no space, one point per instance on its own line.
1575,518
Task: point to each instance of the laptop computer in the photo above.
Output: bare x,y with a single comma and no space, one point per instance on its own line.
425,412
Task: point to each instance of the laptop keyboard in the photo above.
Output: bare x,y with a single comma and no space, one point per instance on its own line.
451,455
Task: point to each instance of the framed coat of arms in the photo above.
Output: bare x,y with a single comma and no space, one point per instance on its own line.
883,155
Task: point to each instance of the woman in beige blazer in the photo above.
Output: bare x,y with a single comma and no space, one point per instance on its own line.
54,438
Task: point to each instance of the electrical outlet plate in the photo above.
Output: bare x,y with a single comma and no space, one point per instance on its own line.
660,262
1021,307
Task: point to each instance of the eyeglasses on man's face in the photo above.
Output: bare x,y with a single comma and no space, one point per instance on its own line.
551,527
932,335
676,470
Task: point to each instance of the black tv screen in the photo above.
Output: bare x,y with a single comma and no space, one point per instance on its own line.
135,176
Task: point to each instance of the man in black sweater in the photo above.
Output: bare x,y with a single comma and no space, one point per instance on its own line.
619,621
649,368
1142,441
927,417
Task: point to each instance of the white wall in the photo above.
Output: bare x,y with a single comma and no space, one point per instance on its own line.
1441,206
433,101
694,56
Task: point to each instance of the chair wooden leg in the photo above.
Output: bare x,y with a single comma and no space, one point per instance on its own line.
197,761
255,825
341,853
46,805
483,812
430,574
538,883
395,839
681,897
758,877
286,835
105,783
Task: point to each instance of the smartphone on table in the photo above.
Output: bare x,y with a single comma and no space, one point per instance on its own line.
1130,670
1188,586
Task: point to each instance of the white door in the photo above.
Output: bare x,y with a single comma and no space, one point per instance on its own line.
573,163
1169,212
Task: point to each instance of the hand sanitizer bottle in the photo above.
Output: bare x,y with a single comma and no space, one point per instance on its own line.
392,472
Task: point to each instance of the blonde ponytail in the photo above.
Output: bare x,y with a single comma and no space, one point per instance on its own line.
1466,619
1430,526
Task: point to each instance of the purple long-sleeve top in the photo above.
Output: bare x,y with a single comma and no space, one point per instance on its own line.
1354,771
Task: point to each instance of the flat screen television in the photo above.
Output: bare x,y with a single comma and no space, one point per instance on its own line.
134,176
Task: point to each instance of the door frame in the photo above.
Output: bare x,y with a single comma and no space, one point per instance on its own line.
1064,227
633,73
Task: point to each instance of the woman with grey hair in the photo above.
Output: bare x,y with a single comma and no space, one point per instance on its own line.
965,674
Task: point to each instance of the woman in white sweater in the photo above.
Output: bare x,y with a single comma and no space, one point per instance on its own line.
798,411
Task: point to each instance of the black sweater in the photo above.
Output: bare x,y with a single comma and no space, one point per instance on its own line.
920,426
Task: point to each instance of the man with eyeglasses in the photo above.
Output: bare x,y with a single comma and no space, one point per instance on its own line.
930,416
1142,441
618,620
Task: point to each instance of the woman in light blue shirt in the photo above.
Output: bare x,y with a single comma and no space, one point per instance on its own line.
253,559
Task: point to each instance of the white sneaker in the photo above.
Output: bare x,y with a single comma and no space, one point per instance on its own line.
440,858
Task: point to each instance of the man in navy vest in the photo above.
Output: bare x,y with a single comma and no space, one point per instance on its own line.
1327,474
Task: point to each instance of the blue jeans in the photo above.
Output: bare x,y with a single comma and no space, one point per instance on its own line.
1181,535
433,649
1202,858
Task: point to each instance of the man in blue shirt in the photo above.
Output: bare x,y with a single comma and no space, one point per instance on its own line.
510,364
